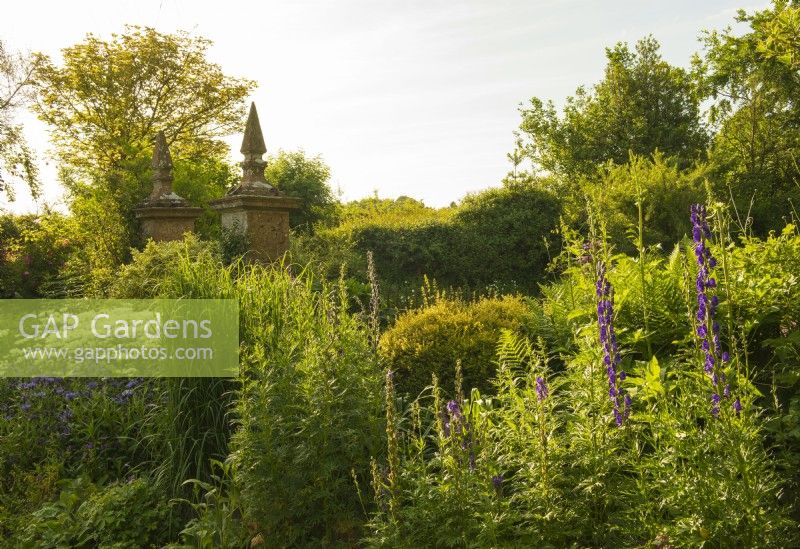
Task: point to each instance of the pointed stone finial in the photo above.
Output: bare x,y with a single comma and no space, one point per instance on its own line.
162,160
253,165
162,171
253,142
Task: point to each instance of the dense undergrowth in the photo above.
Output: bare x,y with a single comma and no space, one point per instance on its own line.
506,436
582,357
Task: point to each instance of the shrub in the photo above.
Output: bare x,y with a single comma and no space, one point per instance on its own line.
306,178
665,191
499,237
150,268
32,251
127,514
431,339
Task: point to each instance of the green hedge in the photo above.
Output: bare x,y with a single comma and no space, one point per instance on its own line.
499,237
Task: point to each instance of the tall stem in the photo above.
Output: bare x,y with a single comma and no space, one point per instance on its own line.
642,277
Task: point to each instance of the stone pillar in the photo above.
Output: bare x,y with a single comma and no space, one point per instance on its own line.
164,215
254,207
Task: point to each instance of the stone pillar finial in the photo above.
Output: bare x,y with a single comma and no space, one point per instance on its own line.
164,215
162,172
254,208
253,165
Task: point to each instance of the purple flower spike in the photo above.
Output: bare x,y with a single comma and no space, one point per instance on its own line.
497,482
541,389
454,409
608,340
708,329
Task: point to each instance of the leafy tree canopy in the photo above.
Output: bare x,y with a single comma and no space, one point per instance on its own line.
307,178
109,97
752,81
106,101
16,158
642,104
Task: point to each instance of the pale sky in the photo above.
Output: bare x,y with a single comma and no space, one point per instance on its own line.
414,98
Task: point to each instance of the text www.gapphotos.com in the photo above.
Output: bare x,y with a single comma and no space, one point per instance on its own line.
118,353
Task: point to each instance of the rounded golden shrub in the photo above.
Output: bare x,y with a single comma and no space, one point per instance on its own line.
431,339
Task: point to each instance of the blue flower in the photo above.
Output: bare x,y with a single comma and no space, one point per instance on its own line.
133,383
454,409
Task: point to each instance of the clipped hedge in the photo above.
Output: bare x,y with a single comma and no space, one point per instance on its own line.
431,339
499,237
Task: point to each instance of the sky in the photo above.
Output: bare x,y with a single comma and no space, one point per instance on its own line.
415,98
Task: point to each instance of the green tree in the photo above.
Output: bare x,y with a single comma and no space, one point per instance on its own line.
664,191
16,158
306,178
107,100
753,83
642,104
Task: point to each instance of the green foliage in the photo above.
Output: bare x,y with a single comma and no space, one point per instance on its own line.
190,428
104,105
33,251
664,190
24,490
564,466
129,514
643,104
430,340
217,524
92,426
765,305
306,178
497,238
308,411
16,158
145,81
751,79
150,269
399,211
437,496
503,235
233,244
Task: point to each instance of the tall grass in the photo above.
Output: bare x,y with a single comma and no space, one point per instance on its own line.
303,417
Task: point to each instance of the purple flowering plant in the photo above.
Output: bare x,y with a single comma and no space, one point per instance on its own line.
612,358
707,327
82,418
